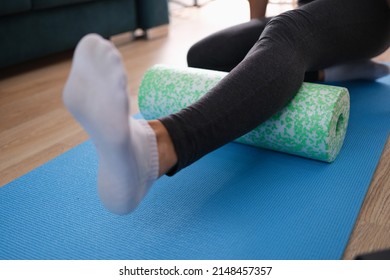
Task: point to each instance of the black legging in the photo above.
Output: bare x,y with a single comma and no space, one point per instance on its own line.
262,81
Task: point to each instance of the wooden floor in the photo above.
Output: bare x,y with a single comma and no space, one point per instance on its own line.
35,127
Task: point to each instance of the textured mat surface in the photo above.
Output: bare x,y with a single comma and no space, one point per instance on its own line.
238,202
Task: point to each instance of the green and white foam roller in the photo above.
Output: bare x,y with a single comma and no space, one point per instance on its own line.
312,125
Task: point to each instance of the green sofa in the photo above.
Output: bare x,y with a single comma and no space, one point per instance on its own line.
31,29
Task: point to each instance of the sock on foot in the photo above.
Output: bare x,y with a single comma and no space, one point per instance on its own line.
96,95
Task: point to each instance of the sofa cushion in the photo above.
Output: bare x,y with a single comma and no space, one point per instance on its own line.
43,4
12,7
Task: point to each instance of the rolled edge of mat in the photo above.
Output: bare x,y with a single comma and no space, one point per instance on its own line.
312,125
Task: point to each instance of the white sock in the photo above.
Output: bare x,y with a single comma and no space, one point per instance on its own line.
357,70
96,95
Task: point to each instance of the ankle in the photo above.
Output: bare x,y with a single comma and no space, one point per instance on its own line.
166,151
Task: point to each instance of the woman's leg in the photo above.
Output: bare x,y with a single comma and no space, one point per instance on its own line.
225,49
132,154
318,35
96,95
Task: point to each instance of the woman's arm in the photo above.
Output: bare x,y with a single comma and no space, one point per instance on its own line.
258,8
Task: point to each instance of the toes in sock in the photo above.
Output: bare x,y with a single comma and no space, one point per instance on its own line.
96,95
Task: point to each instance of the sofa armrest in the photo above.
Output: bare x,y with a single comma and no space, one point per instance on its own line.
152,13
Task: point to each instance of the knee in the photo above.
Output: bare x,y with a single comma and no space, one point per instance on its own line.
206,53
196,56
289,28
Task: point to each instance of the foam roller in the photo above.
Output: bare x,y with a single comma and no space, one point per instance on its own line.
312,125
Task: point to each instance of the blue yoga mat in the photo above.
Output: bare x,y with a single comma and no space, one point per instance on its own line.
238,202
